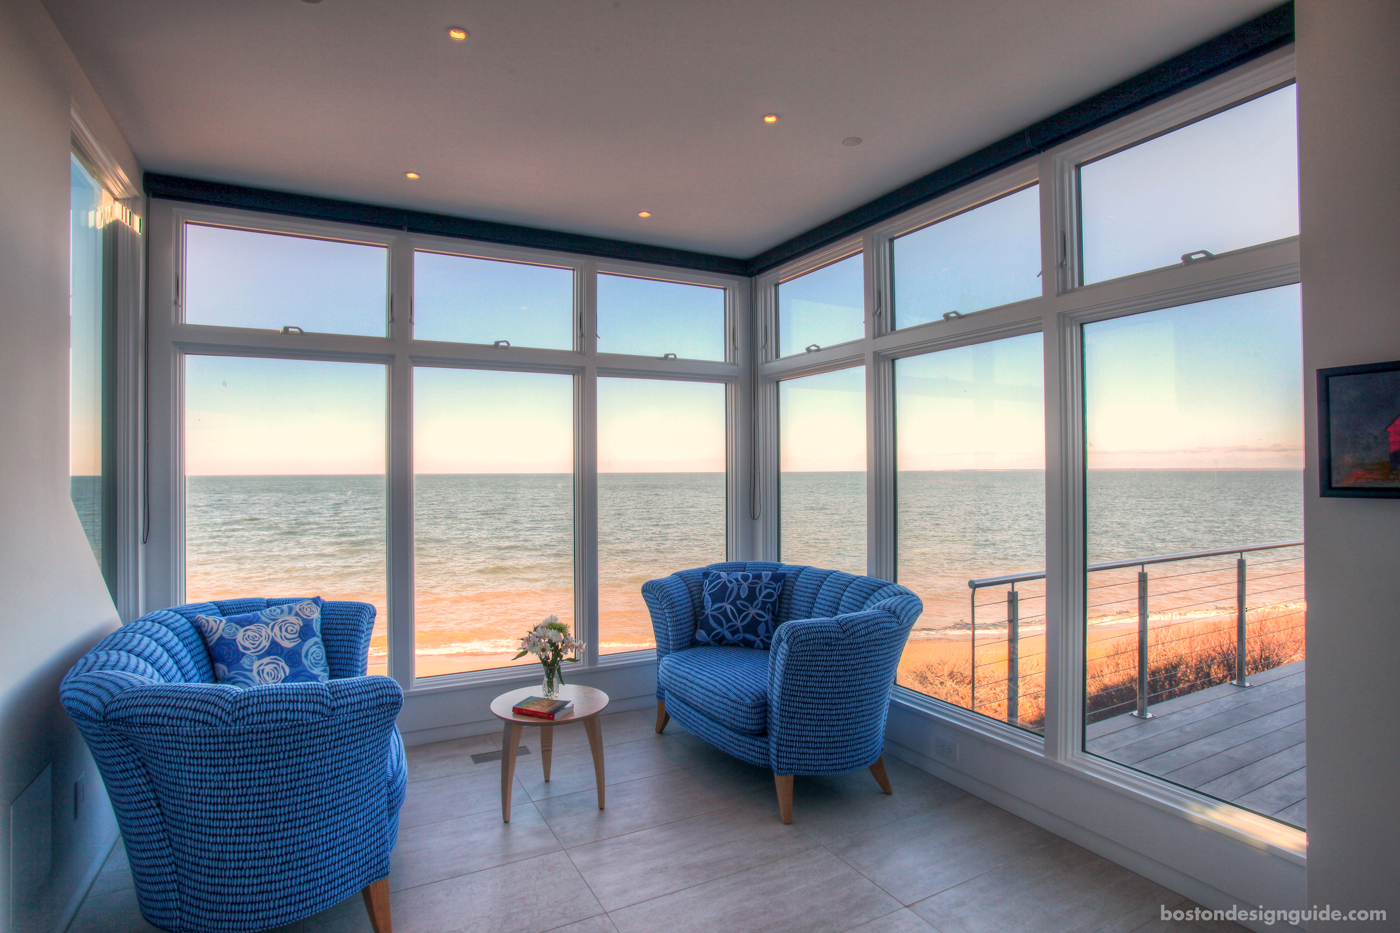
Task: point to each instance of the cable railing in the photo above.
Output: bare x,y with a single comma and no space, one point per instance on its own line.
1126,600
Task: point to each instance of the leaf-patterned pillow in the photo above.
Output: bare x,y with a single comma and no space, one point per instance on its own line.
277,645
740,608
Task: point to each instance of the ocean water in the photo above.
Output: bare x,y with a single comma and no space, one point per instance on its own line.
495,553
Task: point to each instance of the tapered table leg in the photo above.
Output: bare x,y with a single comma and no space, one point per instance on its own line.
546,748
510,744
377,906
595,742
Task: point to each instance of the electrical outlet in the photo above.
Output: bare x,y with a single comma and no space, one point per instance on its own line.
79,794
945,748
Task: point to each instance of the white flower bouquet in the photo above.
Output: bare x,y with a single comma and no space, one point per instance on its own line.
550,641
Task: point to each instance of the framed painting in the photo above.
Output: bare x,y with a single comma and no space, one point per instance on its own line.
1358,434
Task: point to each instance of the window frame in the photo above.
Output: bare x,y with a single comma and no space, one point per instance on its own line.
172,340
1064,306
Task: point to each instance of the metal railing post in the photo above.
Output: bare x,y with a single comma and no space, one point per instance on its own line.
1141,711
972,700
1241,618
1013,656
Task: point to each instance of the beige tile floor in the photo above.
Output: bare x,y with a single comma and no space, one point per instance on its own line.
691,841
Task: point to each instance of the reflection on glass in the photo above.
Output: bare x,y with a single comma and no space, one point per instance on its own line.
821,449
1194,428
661,495
241,278
493,459
823,307
469,300
970,456
652,318
91,453
286,499
978,259
1222,183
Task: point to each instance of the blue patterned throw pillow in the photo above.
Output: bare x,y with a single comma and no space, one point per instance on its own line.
740,608
277,645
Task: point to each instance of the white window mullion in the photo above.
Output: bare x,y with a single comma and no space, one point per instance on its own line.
586,468
399,498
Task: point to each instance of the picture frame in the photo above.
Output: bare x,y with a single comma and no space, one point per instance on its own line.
1358,435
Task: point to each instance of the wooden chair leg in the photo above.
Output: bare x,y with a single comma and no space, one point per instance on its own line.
662,717
881,778
784,783
377,906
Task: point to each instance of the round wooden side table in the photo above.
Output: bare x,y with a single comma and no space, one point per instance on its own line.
588,703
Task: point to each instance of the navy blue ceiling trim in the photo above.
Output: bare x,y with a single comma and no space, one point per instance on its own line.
1257,37
301,205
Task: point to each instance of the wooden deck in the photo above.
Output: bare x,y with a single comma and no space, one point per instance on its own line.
1243,745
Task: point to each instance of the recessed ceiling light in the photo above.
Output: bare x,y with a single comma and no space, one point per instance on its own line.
410,175
851,141
457,34
770,118
643,213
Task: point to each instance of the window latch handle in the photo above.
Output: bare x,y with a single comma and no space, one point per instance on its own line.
951,315
292,329
668,356
501,343
1197,256
812,348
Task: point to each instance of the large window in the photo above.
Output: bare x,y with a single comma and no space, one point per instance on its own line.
92,378
661,495
439,443
1096,493
970,489
493,513
821,445
1194,513
284,482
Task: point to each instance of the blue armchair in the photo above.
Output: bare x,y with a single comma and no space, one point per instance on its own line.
816,701
244,809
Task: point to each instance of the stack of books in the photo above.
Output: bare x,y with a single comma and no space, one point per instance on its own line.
541,708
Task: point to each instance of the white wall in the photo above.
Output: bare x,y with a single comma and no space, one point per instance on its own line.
1349,162
53,603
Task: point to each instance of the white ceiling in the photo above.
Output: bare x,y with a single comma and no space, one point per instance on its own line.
576,114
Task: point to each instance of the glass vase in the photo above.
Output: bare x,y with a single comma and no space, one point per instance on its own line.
552,682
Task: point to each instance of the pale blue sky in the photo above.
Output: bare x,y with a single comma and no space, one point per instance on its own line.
468,300
1214,384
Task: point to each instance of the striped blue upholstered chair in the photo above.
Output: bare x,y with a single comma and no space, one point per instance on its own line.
816,701
244,809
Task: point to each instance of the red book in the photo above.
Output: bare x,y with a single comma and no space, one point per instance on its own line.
541,708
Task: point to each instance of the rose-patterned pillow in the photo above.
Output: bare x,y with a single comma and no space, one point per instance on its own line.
740,608
278,645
